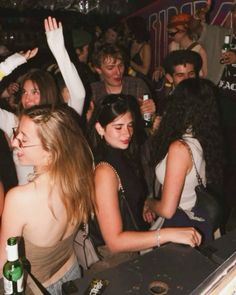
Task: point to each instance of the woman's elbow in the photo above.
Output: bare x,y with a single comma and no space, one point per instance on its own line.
113,247
168,214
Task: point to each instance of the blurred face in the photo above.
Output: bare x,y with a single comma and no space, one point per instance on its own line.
111,72
119,132
28,145
30,94
110,36
82,54
181,72
176,34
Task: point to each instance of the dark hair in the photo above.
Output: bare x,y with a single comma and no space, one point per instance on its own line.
182,57
138,28
109,108
193,107
49,93
108,50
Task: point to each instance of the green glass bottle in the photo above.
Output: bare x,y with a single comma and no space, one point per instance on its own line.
13,272
225,47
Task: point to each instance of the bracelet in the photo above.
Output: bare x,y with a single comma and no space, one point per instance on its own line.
158,238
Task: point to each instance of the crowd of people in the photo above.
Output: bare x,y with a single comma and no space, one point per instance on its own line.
75,143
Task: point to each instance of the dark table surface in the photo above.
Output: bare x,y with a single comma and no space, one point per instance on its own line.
182,268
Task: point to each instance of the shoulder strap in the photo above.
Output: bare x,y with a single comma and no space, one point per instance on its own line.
122,196
199,179
192,45
114,170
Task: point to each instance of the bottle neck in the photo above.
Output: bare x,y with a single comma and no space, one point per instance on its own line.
12,252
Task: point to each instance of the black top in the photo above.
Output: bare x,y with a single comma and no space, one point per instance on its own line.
133,185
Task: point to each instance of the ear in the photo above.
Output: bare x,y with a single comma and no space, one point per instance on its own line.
100,129
169,78
98,70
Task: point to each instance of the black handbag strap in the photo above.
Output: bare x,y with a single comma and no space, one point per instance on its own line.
122,195
199,179
192,45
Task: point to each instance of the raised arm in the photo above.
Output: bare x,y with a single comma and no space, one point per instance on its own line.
15,60
117,240
70,75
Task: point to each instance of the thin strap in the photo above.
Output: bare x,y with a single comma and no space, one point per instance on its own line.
192,45
116,173
199,179
122,192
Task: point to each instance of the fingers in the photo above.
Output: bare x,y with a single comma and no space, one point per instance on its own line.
228,57
148,106
29,53
33,52
195,238
51,24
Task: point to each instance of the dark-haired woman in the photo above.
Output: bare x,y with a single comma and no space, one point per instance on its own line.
140,49
191,121
113,137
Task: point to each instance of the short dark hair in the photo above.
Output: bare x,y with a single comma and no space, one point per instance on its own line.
181,57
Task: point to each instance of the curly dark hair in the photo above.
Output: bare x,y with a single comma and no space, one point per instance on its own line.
193,107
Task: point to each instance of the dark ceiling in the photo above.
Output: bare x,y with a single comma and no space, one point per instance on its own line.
117,7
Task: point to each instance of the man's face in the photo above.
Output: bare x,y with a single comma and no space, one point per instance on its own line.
181,72
111,71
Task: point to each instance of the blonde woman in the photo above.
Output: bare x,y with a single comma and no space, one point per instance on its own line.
47,211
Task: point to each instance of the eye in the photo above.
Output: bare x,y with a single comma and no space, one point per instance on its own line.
131,125
118,127
35,91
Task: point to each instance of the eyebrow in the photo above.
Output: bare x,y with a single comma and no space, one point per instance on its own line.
120,124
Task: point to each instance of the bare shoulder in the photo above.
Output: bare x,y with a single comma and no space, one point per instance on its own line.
105,173
105,169
178,146
178,153
20,194
179,149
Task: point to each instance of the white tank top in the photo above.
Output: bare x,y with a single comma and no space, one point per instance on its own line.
188,196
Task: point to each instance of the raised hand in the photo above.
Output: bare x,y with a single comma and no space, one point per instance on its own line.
29,53
51,24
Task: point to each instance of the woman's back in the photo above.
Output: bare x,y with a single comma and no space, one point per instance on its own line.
188,195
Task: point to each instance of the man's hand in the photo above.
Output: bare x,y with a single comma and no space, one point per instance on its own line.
228,57
147,106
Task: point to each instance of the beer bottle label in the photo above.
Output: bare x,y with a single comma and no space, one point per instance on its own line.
9,286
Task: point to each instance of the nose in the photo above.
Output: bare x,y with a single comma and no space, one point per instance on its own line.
127,132
118,70
15,142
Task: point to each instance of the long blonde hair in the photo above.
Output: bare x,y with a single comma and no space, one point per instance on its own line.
71,164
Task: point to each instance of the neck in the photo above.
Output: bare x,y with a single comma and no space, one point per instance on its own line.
38,172
113,89
185,42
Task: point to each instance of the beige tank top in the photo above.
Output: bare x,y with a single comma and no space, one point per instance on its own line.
46,261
